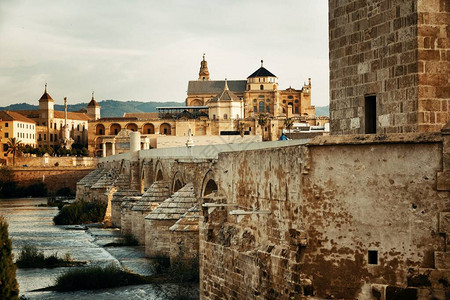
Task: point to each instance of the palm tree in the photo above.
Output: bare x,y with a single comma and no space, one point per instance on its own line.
14,147
262,121
288,123
241,128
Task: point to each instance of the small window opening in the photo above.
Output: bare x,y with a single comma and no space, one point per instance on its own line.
373,257
261,87
370,114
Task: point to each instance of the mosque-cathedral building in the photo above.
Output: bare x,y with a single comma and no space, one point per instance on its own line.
216,111
214,108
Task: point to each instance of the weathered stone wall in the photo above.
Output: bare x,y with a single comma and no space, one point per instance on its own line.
138,225
378,197
184,245
329,203
55,178
157,237
396,50
52,161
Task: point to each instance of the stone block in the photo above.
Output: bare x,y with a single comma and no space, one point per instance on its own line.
444,222
441,260
443,181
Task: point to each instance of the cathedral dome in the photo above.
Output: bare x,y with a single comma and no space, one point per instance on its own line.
262,72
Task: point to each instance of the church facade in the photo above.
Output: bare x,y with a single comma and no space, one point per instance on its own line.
259,93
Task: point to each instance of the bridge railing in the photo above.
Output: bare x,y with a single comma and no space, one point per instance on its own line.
201,152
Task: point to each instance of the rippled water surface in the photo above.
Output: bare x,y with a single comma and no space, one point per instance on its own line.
29,224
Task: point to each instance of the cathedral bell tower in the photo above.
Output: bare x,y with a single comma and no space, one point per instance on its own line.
93,109
203,75
46,107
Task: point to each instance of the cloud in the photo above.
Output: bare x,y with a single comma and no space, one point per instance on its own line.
148,50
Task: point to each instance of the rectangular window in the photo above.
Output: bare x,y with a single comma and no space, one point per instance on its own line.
6,135
372,257
51,137
45,137
5,147
40,137
6,124
370,114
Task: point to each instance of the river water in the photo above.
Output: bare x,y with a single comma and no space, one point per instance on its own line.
33,225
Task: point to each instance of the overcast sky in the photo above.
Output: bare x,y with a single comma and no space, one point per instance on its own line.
149,50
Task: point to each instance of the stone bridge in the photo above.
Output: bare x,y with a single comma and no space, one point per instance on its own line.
355,217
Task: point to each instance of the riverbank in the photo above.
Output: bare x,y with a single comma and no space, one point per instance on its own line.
30,224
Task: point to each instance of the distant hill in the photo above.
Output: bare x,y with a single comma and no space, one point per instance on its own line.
114,108
323,111
109,108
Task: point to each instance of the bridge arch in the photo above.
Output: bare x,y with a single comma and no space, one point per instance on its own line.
159,171
177,182
146,174
209,184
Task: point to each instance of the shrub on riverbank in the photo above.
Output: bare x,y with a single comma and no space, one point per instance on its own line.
97,278
81,212
31,257
9,289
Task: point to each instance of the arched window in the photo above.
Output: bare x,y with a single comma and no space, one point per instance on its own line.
225,116
267,109
261,87
261,107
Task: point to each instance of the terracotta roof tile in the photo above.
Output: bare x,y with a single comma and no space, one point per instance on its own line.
14,116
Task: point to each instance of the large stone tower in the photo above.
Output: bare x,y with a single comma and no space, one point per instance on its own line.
389,66
203,75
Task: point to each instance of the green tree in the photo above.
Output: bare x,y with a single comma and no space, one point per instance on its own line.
288,123
263,119
14,147
9,289
241,128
